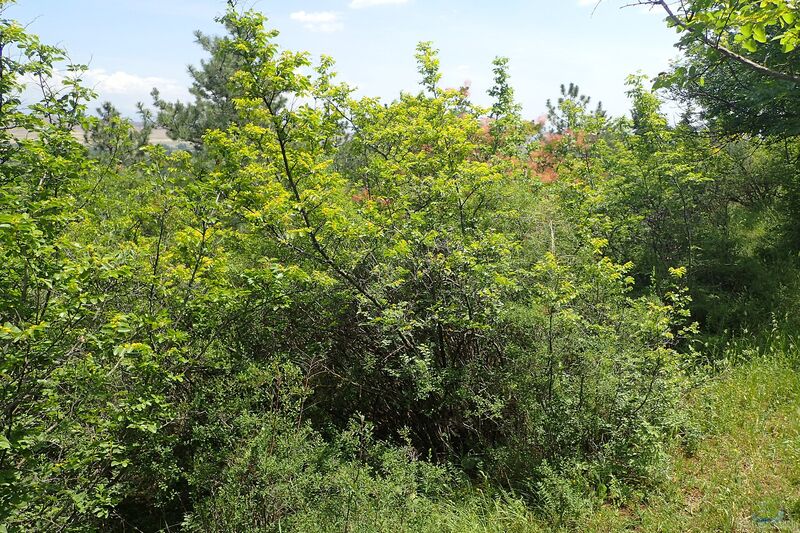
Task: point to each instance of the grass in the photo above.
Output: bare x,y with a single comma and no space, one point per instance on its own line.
740,474
744,473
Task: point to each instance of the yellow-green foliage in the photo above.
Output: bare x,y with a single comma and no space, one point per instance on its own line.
339,314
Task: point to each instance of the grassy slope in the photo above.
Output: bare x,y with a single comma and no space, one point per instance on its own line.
747,464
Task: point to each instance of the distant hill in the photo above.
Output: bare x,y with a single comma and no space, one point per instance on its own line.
157,136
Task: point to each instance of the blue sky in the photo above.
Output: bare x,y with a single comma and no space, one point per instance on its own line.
133,45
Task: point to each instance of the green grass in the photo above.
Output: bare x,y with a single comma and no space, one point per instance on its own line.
743,465
746,465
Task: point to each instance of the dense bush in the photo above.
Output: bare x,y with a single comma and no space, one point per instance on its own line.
337,314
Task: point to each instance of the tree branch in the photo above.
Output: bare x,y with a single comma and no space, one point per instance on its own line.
730,54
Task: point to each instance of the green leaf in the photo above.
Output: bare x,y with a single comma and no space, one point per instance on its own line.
747,30
760,33
749,45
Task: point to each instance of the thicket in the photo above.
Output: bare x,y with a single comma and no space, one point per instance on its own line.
339,314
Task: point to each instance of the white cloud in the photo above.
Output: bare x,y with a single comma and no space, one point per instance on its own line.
127,84
124,89
121,88
322,21
358,4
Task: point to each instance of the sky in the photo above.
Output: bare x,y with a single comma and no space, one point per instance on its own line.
132,46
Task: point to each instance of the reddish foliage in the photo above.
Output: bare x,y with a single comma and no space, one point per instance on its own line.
548,175
485,130
361,195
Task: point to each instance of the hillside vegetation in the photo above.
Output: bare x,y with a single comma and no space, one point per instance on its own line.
742,473
332,313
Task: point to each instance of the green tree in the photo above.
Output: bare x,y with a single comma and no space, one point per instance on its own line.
426,247
109,135
53,305
213,106
339,309
570,108
742,63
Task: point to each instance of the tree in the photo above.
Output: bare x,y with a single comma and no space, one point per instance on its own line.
461,321
249,334
213,106
726,25
742,63
570,108
111,136
52,299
